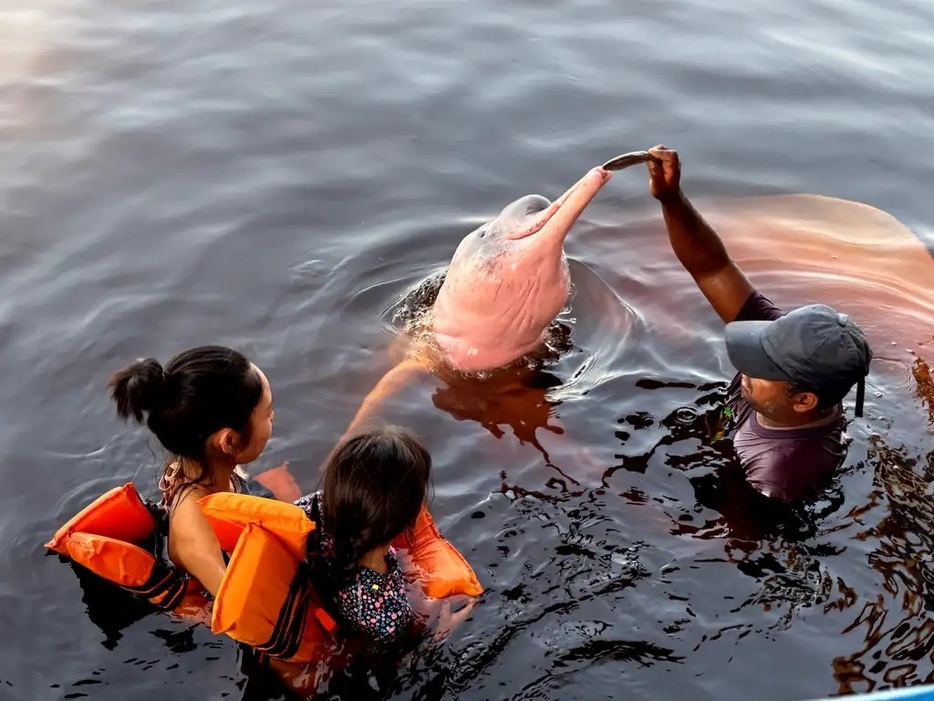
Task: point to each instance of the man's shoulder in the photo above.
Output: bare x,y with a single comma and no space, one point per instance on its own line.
758,307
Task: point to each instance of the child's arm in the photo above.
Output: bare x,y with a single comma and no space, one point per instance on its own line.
192,544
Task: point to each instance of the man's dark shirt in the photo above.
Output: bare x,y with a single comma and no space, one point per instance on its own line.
785,464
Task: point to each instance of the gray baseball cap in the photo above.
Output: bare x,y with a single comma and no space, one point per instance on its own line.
814,347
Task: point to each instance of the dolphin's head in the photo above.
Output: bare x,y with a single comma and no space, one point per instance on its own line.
509,279
539,220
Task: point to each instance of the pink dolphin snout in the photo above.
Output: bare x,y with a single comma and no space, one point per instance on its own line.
559,216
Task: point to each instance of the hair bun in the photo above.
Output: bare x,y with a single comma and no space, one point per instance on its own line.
138,388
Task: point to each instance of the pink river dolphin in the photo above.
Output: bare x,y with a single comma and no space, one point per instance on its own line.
507,282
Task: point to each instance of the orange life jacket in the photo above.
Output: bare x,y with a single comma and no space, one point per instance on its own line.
121,537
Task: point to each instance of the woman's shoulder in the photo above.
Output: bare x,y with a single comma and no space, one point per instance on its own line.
184,498
184,506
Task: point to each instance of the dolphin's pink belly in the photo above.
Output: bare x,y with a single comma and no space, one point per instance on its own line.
486,324
466,356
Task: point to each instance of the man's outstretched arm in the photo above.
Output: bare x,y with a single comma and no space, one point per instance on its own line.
694,242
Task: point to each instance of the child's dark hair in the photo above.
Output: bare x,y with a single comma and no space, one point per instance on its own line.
200,391
375,484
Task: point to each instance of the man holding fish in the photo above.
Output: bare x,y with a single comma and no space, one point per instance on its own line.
784,406
509,279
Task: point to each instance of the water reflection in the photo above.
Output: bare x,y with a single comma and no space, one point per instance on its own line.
897,624
924,386
518,401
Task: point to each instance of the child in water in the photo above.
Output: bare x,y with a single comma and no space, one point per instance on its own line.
375,484
211,409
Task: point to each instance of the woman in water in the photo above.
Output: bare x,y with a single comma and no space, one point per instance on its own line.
375,484
211,409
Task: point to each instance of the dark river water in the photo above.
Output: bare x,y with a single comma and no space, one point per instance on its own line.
275,175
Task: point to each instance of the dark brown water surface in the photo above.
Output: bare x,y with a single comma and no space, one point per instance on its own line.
275,175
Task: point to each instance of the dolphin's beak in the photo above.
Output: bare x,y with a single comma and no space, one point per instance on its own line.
560,216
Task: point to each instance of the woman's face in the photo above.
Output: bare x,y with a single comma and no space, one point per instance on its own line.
260,424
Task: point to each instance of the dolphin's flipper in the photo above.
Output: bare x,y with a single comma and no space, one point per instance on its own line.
389,384
280,482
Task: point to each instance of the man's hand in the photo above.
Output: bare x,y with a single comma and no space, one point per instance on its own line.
664,172
693,241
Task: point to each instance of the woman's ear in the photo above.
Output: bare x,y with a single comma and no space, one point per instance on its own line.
225,441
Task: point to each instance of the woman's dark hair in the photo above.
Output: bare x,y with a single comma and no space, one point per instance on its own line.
375,484
200,391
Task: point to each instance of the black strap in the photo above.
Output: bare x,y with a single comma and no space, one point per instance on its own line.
317,565
313,544
860,396
290,625
166,585
289,629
